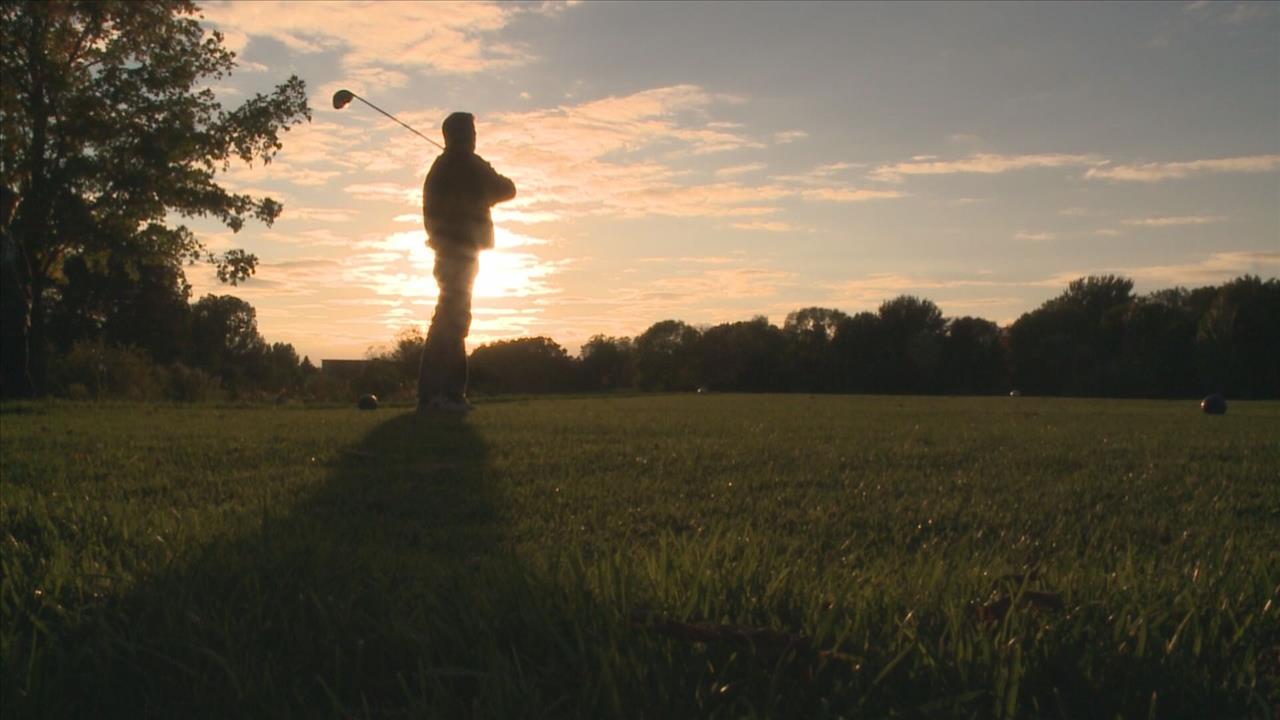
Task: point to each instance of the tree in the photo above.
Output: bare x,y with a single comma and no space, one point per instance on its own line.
817,322
973,359
379,377
1238,339
140,304
743,356
810,333
1071,344
405,355
105,135
1096,295
225,339
666,356
523,365
859,351
279,369
1157,348
607,363
912,330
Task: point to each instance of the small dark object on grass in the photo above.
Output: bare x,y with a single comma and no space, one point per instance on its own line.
1214,405
368,402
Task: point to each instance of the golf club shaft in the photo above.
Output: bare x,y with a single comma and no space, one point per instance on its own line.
393,117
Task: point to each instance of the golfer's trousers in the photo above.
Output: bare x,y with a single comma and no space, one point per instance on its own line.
443,371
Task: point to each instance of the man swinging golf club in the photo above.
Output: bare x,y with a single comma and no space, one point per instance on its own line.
456,197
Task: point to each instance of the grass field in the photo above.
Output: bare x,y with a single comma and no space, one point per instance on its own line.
657,557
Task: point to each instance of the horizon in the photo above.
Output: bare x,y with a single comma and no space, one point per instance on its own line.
709,163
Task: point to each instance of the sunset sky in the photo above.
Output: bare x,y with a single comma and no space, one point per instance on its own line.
711,162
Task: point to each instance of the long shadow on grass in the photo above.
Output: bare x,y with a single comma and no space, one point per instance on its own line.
385,592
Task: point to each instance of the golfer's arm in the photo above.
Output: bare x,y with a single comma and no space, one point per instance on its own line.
498,188
502,189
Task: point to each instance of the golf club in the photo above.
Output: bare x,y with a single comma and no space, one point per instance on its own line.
343,98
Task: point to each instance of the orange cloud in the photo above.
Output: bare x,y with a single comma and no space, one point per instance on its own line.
453,38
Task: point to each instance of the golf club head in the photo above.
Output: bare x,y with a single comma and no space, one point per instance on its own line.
342,98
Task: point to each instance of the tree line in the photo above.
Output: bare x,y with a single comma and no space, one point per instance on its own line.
1097,338
138,336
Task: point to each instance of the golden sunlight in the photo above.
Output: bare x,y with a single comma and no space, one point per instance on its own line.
400,266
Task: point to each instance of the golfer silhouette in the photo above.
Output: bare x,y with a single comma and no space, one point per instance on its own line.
460,189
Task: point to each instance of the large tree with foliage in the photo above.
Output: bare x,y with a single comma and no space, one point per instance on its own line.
667,356
1071,345
608,363
912,330
108,131
810,333
744,356
536,364
973,358
225,339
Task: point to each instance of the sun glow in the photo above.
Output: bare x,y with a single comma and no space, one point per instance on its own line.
400,264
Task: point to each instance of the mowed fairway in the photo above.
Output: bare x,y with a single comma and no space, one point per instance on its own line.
658,557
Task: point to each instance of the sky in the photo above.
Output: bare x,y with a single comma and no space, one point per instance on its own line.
713,162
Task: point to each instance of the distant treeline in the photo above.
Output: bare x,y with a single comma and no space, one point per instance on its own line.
142,339
1095,339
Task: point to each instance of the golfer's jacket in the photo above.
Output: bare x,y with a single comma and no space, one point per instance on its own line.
460,189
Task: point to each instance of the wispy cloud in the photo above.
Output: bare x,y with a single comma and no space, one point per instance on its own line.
984,163
1169,221
687,259
1033,236
315,237
820,176
850,195
1159,171
1244,12
246,66
1212,269
1231,12
715,284
878,284
452,38
293,174
324,215
777,226
955,296
385,192
789,136
615,156
734,170
722,289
